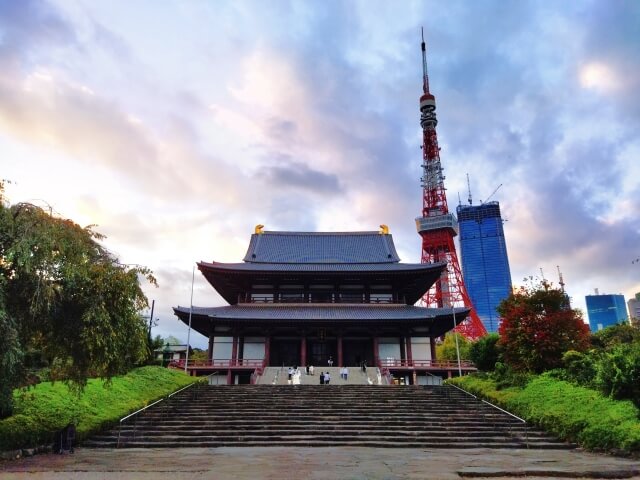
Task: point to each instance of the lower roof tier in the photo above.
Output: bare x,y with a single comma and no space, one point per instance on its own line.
408,281
432,322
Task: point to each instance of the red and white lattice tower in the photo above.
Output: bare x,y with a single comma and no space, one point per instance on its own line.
437,226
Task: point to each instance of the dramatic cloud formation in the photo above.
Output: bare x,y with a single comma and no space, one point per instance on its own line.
179,126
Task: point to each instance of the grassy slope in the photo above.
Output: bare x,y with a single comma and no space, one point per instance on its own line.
46,408
573,413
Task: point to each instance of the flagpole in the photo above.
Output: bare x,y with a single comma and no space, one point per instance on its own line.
193,276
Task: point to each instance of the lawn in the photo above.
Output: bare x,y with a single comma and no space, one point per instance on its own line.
571,412
42,410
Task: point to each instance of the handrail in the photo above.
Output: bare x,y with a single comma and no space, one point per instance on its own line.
526,431
142,409
146,407
488,403
183,388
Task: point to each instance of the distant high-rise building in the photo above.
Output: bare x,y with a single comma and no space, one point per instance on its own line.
634,307
605,310
485,264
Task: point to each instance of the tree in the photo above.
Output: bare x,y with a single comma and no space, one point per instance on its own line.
63,293
447,349
621,333
484,352
537,328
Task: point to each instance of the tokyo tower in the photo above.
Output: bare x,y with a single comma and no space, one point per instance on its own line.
437,226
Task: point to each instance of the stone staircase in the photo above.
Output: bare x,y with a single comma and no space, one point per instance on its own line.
324,415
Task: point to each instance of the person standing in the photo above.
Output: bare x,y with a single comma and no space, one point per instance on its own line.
321,378
345,372
330,362
310,369
327,378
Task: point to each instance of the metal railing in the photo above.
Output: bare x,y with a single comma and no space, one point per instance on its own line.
136,414
522,420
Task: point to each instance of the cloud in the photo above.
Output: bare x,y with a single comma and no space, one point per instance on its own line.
305,116
299,176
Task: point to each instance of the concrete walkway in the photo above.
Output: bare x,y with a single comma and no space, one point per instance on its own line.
318,464
279,376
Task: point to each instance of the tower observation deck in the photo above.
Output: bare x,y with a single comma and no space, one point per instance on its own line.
437,226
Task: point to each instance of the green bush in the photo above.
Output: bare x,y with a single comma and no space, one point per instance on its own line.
506,377
580,368
572,413
484,352
42,410
618,372
619,334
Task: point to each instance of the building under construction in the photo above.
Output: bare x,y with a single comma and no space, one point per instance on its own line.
485,263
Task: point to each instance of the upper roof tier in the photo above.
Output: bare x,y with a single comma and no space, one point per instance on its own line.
321,247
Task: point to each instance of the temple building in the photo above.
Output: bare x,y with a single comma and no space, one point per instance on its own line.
308,298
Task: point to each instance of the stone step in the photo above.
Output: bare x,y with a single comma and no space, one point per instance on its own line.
325,415
319,443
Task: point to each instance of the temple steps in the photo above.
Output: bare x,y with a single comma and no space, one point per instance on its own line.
324,415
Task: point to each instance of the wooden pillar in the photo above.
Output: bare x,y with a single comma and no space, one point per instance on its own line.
303,351
432,345
409,352
240,349
232,361
267,350
210,349
340,350
376,351
234,350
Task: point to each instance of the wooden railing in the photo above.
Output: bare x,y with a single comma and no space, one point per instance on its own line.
222,364
386,363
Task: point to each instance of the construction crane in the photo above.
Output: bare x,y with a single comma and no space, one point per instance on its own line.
492,193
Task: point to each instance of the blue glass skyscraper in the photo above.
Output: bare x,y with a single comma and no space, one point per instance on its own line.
485,264
605,310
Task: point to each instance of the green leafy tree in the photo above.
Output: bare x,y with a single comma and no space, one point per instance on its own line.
537,328
64,294
619,372
621,333
485,352
447,349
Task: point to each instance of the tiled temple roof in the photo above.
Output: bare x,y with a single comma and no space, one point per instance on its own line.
321,267
438,320
300,311
321,248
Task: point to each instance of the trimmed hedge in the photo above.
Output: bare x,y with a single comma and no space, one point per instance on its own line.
46,408
572,413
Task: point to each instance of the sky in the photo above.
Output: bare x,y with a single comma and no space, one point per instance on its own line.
177,126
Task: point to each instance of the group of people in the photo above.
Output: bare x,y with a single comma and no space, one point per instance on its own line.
293,376
325,377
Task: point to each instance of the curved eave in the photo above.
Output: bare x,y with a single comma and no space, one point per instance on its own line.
232,279
437,320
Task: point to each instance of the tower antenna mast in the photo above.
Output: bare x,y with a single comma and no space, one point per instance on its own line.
469,188
437,226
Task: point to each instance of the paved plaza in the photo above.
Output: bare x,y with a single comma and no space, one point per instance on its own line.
317,463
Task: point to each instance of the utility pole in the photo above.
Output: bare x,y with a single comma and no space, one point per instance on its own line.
153,304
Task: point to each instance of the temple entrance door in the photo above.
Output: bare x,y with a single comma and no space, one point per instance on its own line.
356,351
284,352
319,352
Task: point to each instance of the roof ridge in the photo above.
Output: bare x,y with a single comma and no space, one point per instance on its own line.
282,232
